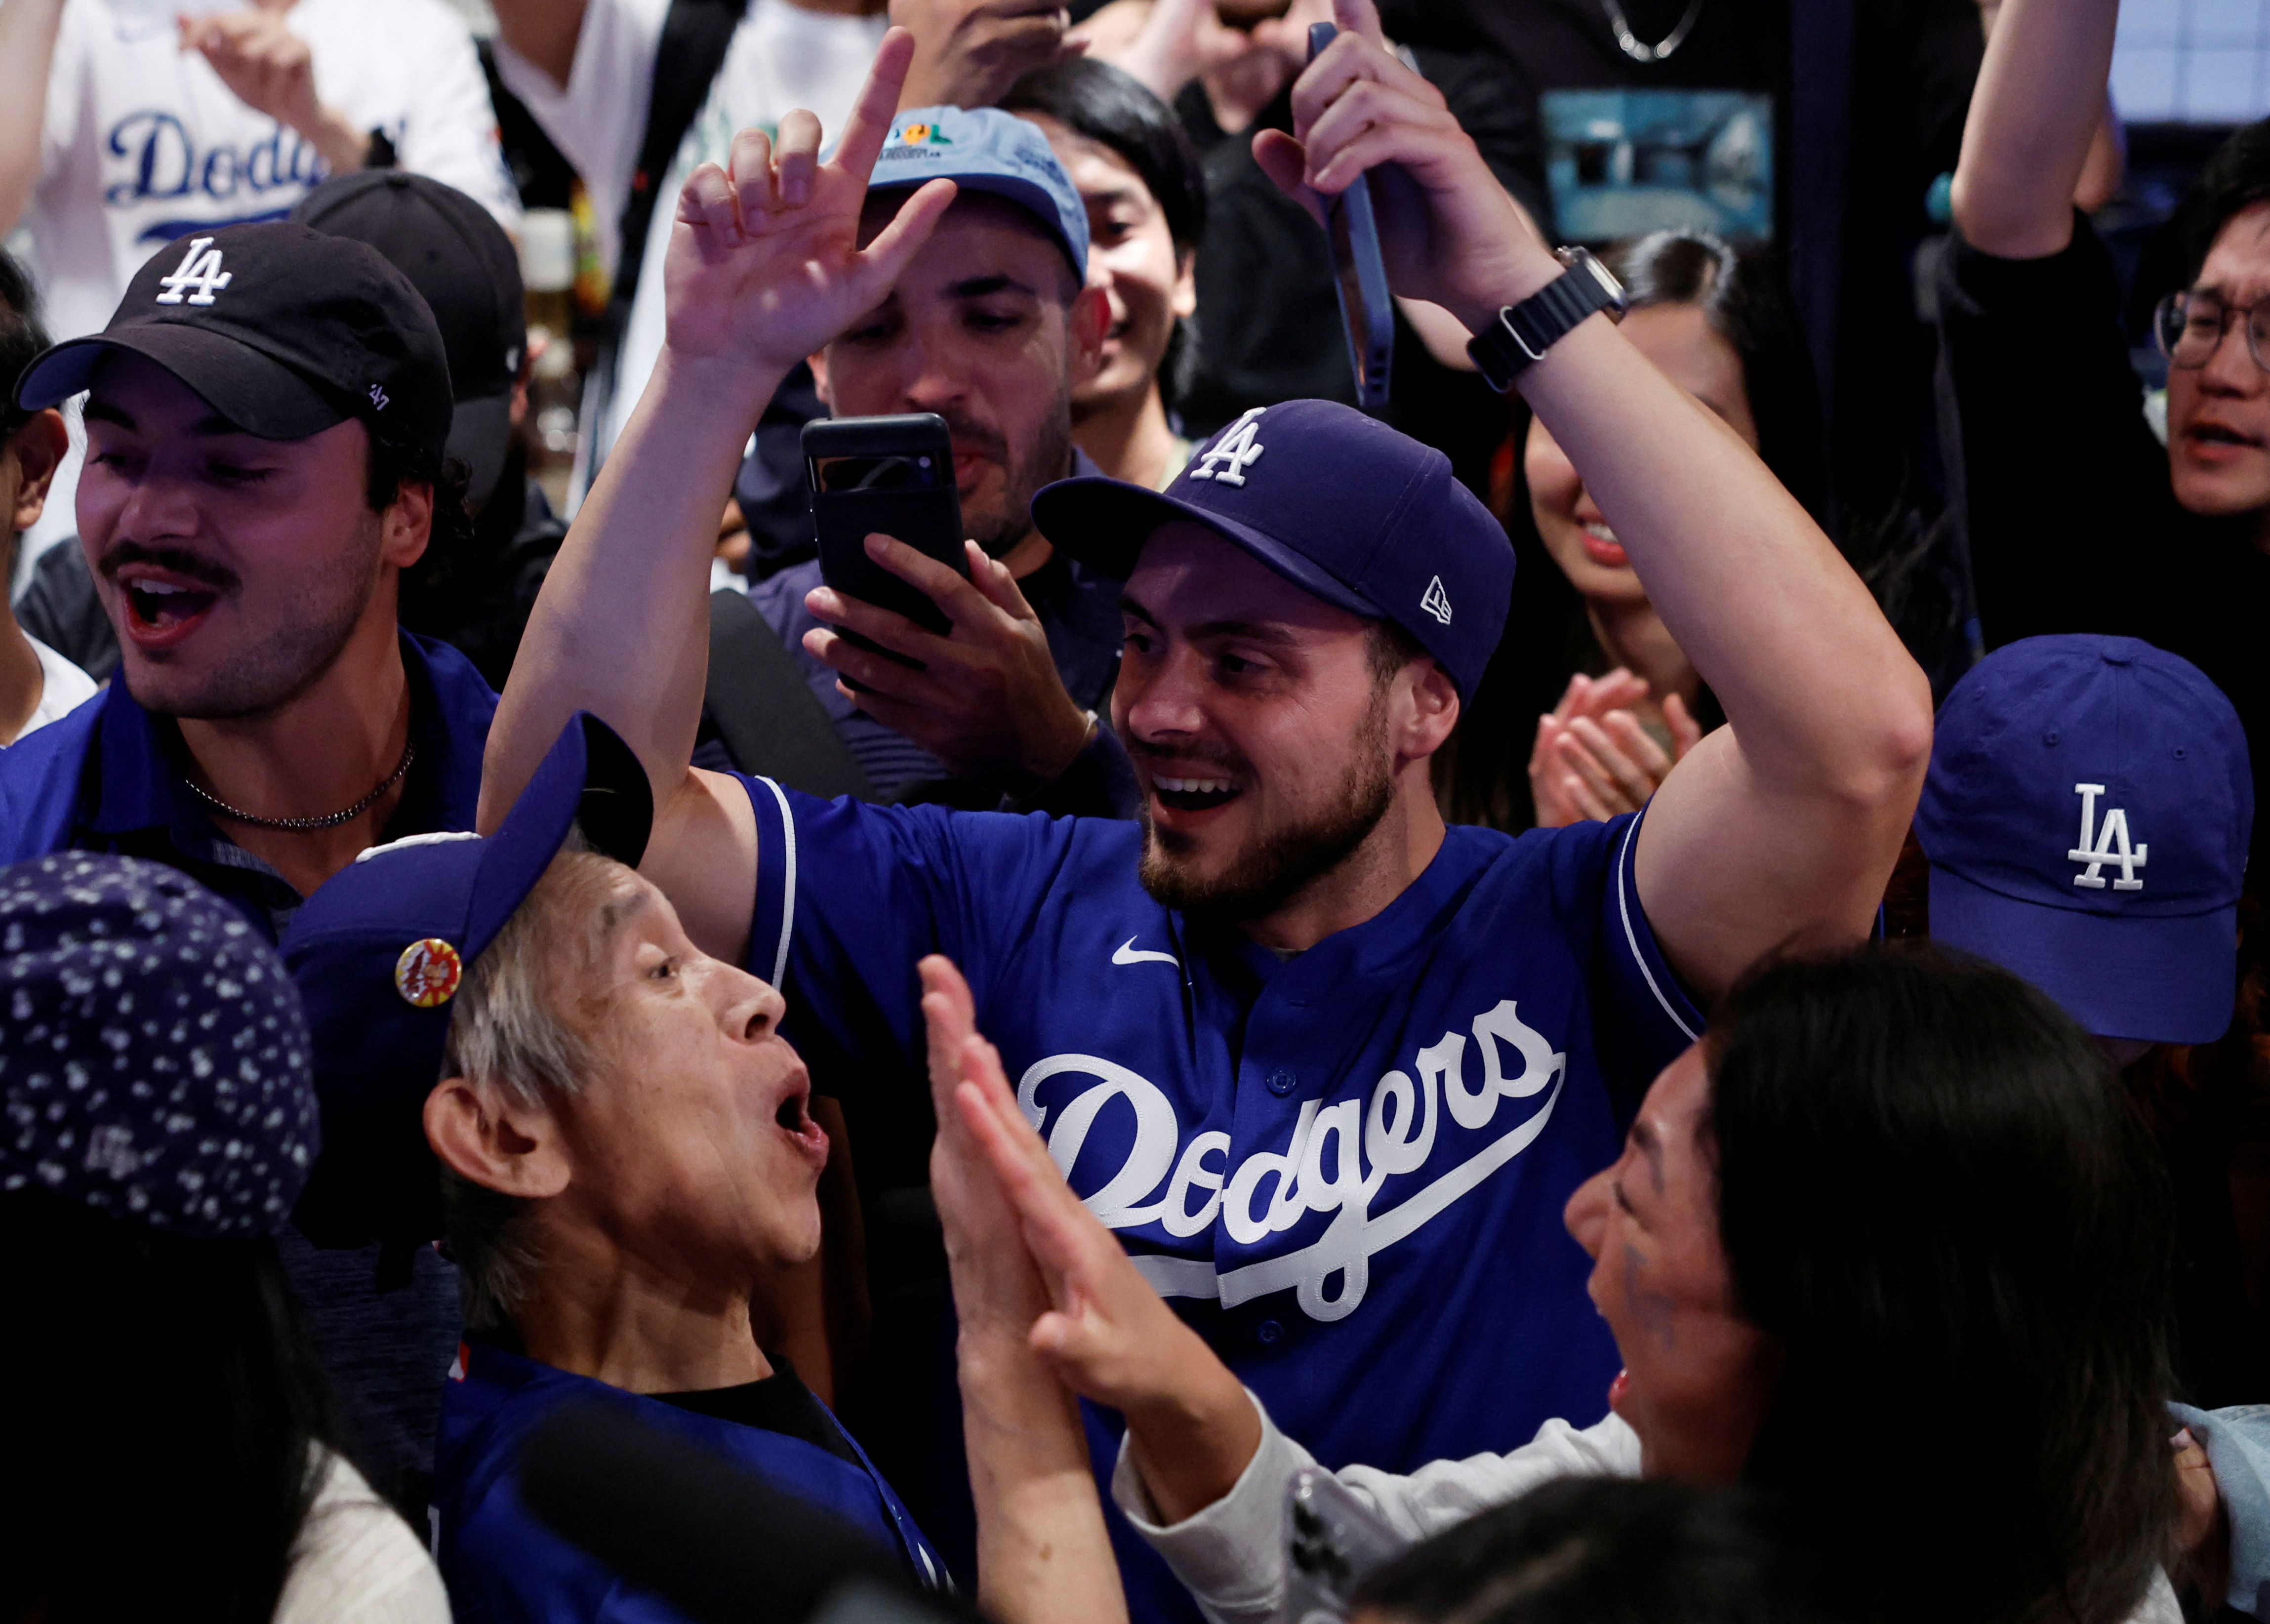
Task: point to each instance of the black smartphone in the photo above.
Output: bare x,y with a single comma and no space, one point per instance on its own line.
893,475
1358,274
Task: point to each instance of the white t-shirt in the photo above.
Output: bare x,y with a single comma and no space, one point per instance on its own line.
64,687
782,58
357,1561
1231,1554
144,143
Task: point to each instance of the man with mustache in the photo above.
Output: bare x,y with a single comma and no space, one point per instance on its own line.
267,414
1329,1068
991,328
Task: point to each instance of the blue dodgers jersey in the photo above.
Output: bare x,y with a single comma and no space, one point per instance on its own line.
504,1567
1347,1169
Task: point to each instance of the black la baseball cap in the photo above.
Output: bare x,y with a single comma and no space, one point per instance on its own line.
284,331
465,268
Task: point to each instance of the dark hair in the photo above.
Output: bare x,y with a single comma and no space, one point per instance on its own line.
1933,1191
2236,177
1113,108
22,336
396,462
1603,1551
1746,301
165,1403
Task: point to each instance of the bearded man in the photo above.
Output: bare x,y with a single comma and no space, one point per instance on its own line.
992,329
1328,1068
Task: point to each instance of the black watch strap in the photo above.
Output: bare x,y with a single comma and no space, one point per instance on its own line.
1521,333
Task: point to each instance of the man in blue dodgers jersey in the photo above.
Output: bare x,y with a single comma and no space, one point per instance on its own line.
1330,1068
628,1148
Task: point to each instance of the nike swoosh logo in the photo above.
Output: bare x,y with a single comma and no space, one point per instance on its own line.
1129,955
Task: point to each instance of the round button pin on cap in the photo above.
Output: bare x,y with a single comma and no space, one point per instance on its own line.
427,973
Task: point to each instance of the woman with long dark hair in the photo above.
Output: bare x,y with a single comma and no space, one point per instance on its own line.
168,1428
1890,1242
1583,642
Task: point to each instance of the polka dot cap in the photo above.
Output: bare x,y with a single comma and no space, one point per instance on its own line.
154,1058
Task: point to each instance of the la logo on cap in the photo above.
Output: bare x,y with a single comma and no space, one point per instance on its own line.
1226,460
200,269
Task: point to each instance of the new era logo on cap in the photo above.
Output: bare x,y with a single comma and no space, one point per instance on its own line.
1437,602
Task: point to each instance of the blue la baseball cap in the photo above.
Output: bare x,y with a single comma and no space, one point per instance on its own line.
1341,506
2086,817
154,1058
985,150
380,951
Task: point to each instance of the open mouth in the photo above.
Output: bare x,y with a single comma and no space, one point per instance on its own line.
2219,435
1601,546
1202,794
793,1117
163,606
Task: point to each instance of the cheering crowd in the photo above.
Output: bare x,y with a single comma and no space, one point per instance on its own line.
1259,1063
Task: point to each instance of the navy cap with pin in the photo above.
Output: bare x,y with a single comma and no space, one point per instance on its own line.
381,950
2086,818
283,331
1340,505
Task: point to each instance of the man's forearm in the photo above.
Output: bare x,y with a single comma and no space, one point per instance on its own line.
2039,99
28,55
622,626
1771,615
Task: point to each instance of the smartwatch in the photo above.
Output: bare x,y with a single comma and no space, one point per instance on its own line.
1523,332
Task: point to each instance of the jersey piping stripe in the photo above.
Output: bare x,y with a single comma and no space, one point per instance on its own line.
788,887
1631,937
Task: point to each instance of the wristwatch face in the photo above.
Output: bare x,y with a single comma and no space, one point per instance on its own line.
1589,263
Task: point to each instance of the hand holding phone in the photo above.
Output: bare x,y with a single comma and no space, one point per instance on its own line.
1359,273
892,475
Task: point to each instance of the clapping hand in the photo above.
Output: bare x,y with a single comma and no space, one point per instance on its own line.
764,264
1594,759
1105,1331
1449,233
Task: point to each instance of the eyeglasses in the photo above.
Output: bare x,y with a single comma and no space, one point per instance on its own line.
2190,327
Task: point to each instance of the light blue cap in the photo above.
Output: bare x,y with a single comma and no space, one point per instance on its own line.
985,150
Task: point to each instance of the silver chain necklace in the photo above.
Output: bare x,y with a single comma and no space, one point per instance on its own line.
1639,49
300,825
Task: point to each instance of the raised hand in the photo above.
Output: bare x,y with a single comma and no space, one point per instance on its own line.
764,264
969,52
1166,46
1451,234
269,69
987,701
1594,759
1107,1334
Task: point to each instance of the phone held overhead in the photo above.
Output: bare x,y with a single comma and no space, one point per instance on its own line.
1359,273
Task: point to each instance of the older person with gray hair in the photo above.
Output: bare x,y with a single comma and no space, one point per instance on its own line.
517,1047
